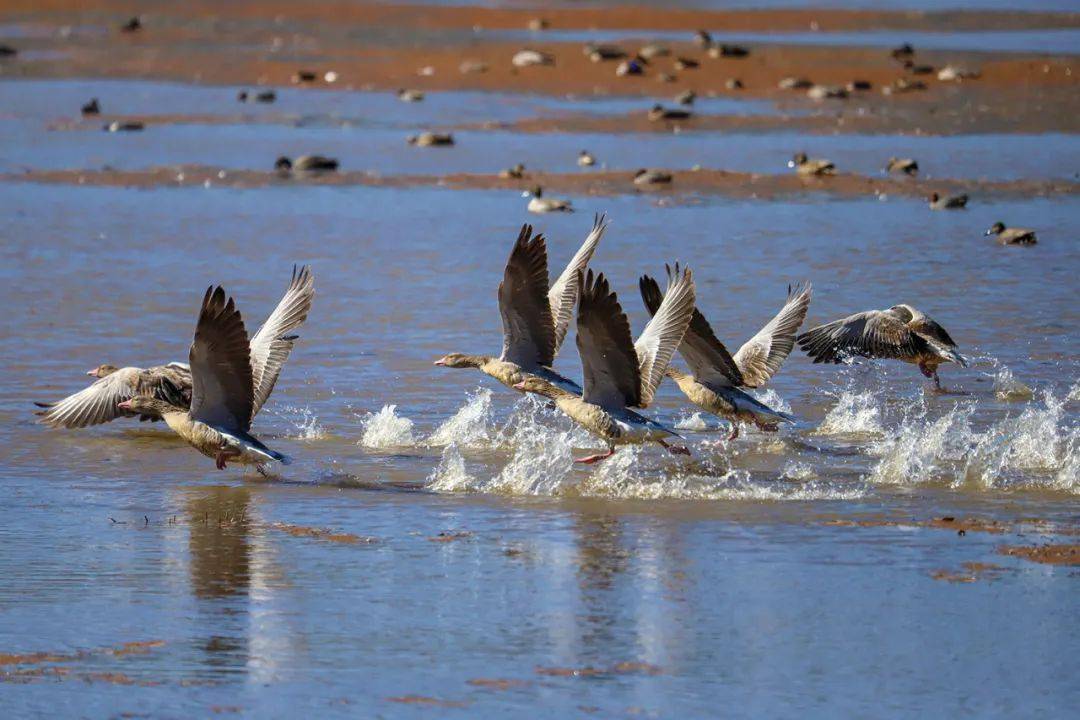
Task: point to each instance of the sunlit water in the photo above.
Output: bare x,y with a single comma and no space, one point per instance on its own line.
674,583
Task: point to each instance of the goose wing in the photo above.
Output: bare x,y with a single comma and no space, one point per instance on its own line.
97,403
608,360
528,330
564,293
665,331
271,345
222,390
762,355
872,334
937,337
708,358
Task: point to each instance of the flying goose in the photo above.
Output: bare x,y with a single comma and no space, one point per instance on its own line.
1011,236
717,375
224,390
619,373
811,166
540,204
901,333
535,318
172,383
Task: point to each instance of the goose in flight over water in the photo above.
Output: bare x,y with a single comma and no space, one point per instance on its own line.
716,376
223,390
535,318
619,373
900,333
171,383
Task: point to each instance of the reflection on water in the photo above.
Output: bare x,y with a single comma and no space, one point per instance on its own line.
219,542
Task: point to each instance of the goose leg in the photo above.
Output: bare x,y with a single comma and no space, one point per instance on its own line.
598,457
219,459
674,449
937,382
734,431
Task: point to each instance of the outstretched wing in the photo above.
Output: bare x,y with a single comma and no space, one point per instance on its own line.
709,361
95,404
564,293
528,330
762,355
664,333
222,391
271,345
872,334
608,360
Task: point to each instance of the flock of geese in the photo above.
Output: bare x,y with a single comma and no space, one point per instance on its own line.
210,401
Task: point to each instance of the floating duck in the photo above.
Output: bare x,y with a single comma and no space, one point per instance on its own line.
947,202
902,165
1011,236
430,139
540,204
306,164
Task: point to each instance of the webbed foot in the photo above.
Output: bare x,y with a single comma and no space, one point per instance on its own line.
596,458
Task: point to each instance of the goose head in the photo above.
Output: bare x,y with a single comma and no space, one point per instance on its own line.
102,371
460,360
144,405
539,386
283,164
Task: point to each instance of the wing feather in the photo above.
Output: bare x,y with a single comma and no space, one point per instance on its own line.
662,336
271,345
872,334
608,360
97,403
222,391
564,293
762,355
528,330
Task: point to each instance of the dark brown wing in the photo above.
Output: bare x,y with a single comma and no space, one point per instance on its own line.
928,327
222,391
608,359
528,328
708,358
872,334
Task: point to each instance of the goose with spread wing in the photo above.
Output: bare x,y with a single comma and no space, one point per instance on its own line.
171,383
224,390
619,373
900,333
716,376
535,318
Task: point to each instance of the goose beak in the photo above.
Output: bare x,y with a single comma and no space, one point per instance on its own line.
126,405
441,362
520,386
92,373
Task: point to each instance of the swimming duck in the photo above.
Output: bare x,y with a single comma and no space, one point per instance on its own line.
91,108
540,204
901,333
811,166
687,97
405,95
858,85
659,112
1011,236
619,373
947,202
902,165
903,85
903,52
585,159
263,96
223,390
717,375
535,317
914,69
652,177
7,51
306,163
513,173
171,383
525,58
430,139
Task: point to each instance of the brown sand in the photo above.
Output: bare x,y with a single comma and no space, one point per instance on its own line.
1048,554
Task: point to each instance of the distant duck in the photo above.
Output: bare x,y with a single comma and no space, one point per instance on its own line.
947,202
6,51
525,58
472,67
585,159
728,51
513,173
304,76
223,394
903,52
601,53
902,165
915,69
124,126
263,96
653,51
900,333
686,97
685,63
858,85
540,204
811,166
1010,235
134,24
306,163
903,85
652,177
619,373
91,108
825,92
629,67
717,375
172,383
535,317
410,96
659,112
794,83
430,139
734,84
953,72
703,39
537,24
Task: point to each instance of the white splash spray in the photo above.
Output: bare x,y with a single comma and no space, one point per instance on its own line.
386,429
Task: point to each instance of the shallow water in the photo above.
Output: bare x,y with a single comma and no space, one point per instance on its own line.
433,550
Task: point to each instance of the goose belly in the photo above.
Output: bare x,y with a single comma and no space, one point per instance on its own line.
211,442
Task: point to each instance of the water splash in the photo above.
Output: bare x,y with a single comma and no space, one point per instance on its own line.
471,426
386,429
305,423
695,422
923,450
772,399
450,474
1007,387
855,413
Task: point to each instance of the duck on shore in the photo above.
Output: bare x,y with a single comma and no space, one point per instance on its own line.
535,317
907,166
306,164
171,383
717,375
223,393
900,333
620,374
811,166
